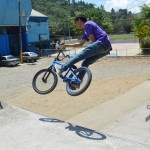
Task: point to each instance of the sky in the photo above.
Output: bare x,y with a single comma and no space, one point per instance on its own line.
130,5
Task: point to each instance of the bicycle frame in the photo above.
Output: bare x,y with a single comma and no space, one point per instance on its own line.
69,70
45,80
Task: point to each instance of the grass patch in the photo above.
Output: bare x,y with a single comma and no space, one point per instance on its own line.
123,37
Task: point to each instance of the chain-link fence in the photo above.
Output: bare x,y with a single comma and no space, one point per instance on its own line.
119,50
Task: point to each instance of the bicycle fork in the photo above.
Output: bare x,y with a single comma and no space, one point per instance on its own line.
46,74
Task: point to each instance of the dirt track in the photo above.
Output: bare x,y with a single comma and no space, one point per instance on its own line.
112,76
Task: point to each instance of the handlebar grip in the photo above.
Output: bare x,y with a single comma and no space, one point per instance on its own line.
68,56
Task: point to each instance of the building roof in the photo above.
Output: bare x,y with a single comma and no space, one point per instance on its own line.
35,13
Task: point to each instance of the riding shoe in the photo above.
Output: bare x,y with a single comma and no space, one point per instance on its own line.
74,85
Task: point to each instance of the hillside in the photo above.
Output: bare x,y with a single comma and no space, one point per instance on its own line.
62,12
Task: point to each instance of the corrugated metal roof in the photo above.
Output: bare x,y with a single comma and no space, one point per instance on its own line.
35,13
9,12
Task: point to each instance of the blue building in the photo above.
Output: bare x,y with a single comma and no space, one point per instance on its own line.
34,27
38,32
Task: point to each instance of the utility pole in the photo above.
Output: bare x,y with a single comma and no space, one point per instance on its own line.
20,33
69,19
69,27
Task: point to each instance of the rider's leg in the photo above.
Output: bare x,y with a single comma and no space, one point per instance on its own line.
90,54
91,50
90,61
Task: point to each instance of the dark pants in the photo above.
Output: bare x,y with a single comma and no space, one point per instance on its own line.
90,54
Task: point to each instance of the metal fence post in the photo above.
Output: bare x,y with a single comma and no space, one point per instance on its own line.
126,52
1,107
116,53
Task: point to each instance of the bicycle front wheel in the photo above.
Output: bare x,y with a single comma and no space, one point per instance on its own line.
85,75
44,81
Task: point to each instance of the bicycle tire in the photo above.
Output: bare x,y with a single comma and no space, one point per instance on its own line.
77,92
90,134
50,81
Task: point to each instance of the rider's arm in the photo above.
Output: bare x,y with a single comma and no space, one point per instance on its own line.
91,38
81,42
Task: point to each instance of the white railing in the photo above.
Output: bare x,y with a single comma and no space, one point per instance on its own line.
132,51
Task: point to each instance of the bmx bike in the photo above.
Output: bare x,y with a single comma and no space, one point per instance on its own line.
45,80
80,131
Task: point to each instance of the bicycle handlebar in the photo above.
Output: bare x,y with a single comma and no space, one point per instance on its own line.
61,52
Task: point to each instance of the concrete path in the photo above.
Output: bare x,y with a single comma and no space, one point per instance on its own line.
24,130
125,49
124,116
119,49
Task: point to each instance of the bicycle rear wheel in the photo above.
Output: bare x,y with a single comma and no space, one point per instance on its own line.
44,81
86,80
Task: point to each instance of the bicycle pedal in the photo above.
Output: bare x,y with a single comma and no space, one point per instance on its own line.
75,85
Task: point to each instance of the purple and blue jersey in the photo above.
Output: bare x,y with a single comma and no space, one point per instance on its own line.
91,28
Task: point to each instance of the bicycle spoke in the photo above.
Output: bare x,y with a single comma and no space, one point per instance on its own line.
44,81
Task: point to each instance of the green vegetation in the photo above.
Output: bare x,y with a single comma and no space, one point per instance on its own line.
123,37
62,12
142,29
61,15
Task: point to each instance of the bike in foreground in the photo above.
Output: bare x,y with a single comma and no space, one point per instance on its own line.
77,79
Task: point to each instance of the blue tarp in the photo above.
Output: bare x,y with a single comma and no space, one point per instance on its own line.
9,12
4,45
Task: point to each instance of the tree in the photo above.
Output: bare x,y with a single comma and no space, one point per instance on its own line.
59,10
113,15
142,28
